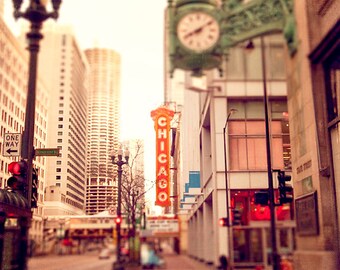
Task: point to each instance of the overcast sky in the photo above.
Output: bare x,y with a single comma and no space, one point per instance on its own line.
133,28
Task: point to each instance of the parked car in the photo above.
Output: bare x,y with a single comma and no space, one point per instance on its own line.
104,254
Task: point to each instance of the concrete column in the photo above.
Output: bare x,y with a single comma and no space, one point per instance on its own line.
209,237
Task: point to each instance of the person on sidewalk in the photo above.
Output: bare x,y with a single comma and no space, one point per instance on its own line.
224,264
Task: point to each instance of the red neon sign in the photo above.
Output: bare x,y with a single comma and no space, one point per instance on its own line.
162,117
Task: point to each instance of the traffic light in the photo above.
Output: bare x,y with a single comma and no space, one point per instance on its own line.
285,190
18,181
118,220
34,197
237,217
261,197
223,222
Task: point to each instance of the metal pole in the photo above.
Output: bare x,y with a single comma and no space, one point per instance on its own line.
119,208
230,245
33,37
275,255
120,162
36,14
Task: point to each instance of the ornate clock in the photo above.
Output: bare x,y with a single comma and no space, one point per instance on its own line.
198,31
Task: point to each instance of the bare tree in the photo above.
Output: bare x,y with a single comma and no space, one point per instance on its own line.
133,191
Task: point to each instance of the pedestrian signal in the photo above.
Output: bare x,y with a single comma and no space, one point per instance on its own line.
261,197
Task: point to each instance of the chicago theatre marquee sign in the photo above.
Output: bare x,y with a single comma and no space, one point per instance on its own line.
162,117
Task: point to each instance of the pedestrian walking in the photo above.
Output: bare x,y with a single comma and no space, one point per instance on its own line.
224,264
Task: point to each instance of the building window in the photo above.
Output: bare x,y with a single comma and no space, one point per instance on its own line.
58,170
58,177
244,64
247,137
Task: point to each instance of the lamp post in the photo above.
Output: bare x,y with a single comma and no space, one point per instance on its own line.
36,14
275,255
231,111
119,161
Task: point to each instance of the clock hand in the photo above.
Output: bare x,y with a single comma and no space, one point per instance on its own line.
197,30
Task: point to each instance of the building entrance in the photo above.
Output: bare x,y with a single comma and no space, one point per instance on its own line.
252,245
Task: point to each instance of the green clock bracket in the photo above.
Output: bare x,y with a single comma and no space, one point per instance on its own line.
182,57
238,22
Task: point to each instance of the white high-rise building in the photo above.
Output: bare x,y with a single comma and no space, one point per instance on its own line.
103,128
63,66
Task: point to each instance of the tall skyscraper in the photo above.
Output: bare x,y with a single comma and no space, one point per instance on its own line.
64,69
103,128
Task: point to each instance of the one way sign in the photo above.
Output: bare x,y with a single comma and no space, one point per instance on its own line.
12,145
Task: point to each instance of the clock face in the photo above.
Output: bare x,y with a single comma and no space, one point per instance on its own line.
198,31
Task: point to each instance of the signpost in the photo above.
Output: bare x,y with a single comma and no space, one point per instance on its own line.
46,152
12,145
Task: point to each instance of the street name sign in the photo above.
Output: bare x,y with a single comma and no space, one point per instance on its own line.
46,152
12,145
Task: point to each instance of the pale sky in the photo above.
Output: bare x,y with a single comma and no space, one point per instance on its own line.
133,28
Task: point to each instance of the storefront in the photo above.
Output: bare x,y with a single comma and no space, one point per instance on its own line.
251,239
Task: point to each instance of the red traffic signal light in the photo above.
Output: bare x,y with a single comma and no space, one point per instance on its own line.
223,222
18,180
118,220
17,167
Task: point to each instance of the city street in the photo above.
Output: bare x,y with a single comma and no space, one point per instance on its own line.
90,261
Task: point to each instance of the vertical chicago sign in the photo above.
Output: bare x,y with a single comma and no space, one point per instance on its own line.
162,117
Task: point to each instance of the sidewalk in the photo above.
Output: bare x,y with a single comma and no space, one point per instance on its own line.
179,262
184,262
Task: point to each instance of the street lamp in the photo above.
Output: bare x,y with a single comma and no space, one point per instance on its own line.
275,255
231,111
36,14
119,161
